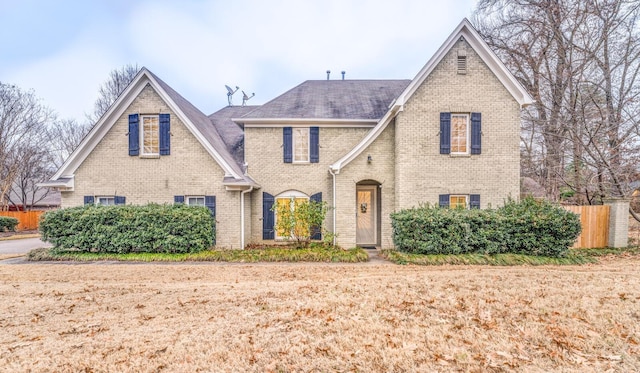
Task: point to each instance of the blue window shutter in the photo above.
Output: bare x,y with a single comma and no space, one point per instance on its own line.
119,200
178,199
314,140
317,231
210,203
445,133
165,134
476,133
444,200
287,138
134,135
474,201
268,217
89,200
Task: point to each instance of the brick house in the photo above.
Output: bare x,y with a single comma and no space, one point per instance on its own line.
366,147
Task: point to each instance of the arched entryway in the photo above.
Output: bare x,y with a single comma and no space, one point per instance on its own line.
368,217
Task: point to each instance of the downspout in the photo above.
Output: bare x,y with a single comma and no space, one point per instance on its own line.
242,215
334,205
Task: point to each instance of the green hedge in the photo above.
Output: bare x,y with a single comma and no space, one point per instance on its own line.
128,228
8,223
527,227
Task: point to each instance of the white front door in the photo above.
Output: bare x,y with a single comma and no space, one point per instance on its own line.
366,212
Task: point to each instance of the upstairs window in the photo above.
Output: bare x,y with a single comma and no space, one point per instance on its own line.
459,133
301,144
150,135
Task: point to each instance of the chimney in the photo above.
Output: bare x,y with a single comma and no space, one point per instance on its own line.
328,73
343,72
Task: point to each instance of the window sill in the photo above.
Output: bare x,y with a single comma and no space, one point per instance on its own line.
460,155
150,156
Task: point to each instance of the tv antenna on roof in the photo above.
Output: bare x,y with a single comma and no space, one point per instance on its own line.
230,93
246,98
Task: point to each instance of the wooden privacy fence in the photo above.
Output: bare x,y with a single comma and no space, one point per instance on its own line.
595,225
28,220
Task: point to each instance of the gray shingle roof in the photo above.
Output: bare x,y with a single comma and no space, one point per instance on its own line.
203,124
231,133
333,99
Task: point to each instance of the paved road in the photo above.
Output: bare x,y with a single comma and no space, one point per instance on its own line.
21,246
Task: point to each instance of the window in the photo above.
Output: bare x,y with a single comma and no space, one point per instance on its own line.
300,145
195,201
150,135
457,201
106,201
459,133
289,200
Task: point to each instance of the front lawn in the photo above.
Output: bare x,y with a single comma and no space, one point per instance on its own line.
267,254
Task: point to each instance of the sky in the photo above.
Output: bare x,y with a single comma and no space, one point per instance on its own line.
64,50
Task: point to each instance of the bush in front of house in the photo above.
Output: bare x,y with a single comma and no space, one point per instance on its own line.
150,228
527,227
8,223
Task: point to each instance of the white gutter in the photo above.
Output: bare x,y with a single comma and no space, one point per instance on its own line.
242,215
334,205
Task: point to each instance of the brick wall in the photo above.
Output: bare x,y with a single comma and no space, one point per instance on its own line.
189,170
422,173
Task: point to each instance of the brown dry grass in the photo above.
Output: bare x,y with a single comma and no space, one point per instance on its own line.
319,317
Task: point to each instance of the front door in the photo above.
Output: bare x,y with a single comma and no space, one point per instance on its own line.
366,212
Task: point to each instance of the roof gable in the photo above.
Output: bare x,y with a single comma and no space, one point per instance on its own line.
468,32
197,122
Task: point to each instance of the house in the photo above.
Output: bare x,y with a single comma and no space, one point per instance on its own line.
366,147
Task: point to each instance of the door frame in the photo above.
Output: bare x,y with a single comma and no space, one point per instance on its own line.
375,208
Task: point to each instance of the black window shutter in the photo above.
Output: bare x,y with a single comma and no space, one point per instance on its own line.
287,138
134,135
314,140
315,230
268,217
474,201
165,134
210,203
445,133
476,133
89,200
119,200
444,200
178,199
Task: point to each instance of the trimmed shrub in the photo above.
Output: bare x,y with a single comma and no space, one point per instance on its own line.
8,224
527,227
128,228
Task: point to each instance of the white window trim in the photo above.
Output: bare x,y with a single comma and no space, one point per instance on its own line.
468,149
291,195
293,145
187,200
98,198
466,200
142,152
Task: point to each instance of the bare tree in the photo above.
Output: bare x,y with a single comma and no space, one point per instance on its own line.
23,121
109,91
33,168
65,135
580,60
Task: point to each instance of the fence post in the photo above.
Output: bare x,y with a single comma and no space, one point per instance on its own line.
618,221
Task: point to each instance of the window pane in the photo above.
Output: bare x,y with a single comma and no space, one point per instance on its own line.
301,145
459,133
150,135
195,201
458,202
106,201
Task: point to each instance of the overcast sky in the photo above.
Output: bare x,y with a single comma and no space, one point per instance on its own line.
65,49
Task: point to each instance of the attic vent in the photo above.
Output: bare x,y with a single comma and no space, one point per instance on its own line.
462,62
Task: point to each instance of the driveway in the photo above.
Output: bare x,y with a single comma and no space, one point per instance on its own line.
21,246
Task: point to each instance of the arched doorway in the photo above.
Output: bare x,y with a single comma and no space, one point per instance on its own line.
368,207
